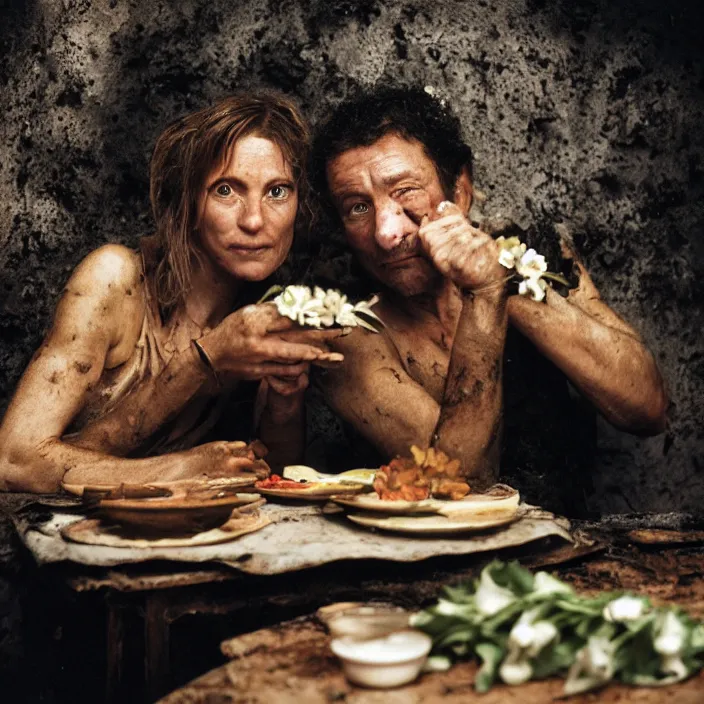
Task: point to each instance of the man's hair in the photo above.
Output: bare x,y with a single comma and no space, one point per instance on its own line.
412,113
188,151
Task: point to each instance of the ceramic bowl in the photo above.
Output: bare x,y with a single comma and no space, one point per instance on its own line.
381,663
171,516
365,622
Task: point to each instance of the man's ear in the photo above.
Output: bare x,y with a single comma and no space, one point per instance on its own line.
463,191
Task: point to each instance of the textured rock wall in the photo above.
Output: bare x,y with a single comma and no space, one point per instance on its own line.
585,111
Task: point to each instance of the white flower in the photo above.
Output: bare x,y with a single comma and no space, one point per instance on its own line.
545,584
533,287
673,665
671,636
625,608
291,300
531,264
322,308
593,666
490,598
511,251
530,635
516,672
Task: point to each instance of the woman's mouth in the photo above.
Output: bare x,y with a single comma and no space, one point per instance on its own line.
248,250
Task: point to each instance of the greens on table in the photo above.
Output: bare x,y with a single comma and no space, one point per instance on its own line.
524,626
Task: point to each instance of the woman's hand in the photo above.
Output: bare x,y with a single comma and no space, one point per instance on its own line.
256,342
216,459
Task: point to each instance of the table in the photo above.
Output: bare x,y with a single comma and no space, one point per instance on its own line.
161,591
292,661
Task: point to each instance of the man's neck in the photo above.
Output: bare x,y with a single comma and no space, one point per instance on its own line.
443,303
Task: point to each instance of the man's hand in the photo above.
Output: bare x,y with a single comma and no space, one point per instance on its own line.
462,253
256,342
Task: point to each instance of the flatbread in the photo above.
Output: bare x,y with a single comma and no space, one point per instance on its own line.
92,531
312,491
432,525
498,502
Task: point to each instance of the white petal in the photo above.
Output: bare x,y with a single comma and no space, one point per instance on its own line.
625,608
670,639
516,672
490,598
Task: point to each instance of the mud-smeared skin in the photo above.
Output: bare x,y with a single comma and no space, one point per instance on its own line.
588,112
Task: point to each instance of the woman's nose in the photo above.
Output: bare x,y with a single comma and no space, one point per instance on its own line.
392,226
250,216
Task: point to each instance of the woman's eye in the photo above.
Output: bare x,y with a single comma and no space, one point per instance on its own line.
359,209
223,190
279,192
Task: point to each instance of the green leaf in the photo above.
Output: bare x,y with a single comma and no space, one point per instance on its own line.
271,292
511,576
491,656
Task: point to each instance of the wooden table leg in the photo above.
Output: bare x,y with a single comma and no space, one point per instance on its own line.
156,644
115,651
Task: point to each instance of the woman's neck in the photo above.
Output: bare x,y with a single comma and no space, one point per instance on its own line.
213,293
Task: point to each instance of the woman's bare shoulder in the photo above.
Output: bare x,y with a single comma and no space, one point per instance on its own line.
107,267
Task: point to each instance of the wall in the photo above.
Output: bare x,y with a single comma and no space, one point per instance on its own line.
588,112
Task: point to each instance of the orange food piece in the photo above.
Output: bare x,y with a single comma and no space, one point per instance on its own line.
427,472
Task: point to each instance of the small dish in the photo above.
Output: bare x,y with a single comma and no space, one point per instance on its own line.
381,663
367,622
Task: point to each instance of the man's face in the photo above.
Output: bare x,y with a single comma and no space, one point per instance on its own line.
381,193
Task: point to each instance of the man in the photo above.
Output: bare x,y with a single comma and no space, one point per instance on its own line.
397,174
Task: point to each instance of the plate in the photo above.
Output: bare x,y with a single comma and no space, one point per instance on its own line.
296,472
92,531
431,525
143,491
313,491
173,515
500,500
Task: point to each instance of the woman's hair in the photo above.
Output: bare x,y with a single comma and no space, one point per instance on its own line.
188,151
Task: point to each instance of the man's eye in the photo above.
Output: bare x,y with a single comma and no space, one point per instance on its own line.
401,192
279,192
223,190
359,209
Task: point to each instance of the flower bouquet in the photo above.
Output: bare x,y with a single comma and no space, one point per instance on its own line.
524,626
323,308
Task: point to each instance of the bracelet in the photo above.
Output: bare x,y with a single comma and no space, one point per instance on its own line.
207,362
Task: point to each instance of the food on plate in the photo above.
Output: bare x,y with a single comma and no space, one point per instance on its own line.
428,473
277,482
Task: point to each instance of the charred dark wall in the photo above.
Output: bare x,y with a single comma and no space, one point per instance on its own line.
588,112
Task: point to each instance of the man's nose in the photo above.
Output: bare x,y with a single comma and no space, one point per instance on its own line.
392,226
250,215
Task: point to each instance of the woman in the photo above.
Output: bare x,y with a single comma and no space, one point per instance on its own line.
144,349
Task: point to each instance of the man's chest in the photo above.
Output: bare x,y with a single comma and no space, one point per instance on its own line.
424,352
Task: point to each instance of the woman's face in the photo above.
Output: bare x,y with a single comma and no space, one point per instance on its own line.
248,209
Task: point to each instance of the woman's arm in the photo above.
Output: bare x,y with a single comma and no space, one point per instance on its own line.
96,325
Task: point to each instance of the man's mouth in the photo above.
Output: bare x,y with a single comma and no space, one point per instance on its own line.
400,261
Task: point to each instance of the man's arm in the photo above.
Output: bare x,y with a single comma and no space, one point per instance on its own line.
601,354
469,427
373,392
